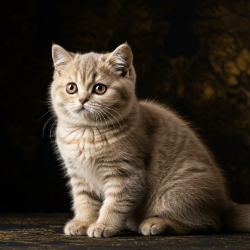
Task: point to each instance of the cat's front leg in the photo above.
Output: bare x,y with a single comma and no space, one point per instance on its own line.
86,208
122,196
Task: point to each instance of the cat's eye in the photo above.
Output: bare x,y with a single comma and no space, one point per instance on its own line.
99,89
71,88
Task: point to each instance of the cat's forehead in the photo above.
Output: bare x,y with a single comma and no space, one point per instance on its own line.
89,67
85,67
87,62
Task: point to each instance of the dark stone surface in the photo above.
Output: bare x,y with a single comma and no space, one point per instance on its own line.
44,231
192,55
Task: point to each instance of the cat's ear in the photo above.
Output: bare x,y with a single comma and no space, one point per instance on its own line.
61,58
121,59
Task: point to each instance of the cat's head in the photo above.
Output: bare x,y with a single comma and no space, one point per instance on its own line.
93,89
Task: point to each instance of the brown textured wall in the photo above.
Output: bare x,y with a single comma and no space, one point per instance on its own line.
193,56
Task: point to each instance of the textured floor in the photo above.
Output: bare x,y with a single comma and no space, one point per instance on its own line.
44,231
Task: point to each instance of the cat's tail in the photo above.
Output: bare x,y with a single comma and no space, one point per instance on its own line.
237,219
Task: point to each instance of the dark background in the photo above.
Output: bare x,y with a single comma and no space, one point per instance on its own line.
191,55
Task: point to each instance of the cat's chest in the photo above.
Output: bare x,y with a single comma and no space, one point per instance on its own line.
92,174
81,154
79,146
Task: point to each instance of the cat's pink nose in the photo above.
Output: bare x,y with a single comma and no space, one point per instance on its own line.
82,100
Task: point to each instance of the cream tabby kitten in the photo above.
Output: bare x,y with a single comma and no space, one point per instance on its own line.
132,164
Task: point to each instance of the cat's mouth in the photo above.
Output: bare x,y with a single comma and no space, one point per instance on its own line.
81,109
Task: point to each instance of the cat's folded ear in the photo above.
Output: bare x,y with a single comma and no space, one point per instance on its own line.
61,58
121,59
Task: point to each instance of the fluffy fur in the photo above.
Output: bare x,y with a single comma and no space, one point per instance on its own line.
132,163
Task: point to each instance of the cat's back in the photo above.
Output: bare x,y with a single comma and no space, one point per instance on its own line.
171,136
161,118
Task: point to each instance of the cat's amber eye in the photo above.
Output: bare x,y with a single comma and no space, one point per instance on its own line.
99,89
71,88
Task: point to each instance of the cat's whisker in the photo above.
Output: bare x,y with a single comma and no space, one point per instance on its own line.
95,120
91,113
109,119
51,128
43,116
38,100
102,136
114,109
47,123
114,117
94,109
99,117
103,117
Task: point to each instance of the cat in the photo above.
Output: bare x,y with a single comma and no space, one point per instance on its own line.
132,164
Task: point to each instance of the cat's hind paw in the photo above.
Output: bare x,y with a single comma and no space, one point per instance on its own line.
98,230
155,226
75,227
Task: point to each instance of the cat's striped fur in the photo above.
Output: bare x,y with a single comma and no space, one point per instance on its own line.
131,163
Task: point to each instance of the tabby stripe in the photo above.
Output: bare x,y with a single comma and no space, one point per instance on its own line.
119,211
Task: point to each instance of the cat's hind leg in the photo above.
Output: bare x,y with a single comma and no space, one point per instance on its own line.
160,225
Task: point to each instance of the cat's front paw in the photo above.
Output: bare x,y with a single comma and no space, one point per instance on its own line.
98,230
75,227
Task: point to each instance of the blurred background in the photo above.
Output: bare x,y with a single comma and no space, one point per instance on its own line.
191,55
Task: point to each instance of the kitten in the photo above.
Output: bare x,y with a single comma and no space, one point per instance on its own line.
131,163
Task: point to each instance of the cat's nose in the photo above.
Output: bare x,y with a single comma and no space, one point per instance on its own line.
82,100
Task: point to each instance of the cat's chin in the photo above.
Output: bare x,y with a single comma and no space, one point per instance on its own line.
83,116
